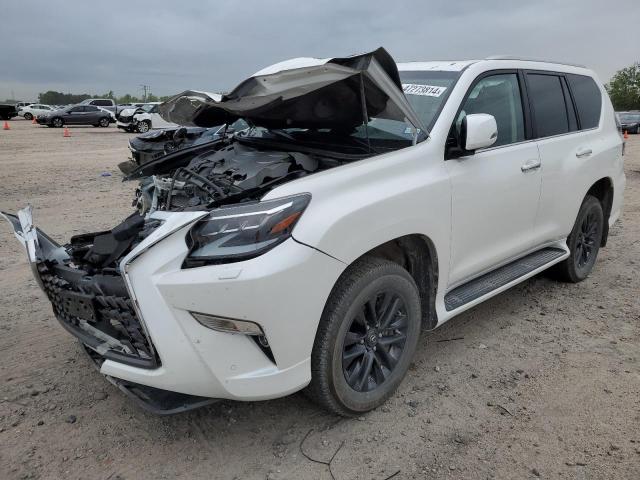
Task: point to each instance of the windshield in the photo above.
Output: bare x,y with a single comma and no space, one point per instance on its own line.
148,107
427,92
630,118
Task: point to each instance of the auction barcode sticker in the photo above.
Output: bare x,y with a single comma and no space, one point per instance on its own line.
426,90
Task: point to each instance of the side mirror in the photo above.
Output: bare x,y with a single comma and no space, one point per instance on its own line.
478,130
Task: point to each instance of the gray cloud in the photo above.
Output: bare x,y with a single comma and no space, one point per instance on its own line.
83,46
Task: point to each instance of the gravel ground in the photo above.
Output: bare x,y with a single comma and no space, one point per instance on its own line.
541,381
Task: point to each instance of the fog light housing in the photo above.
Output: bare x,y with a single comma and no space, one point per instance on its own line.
228,325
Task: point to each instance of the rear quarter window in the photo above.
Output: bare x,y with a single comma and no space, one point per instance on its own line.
588,99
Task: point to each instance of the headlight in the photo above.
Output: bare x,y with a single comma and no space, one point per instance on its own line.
240,232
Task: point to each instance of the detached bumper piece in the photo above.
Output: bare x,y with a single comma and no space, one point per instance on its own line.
98,311
88,295
160,402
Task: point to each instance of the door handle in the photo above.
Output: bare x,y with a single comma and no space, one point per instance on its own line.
583,152
530,165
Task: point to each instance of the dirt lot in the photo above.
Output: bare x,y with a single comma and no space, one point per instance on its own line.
541,381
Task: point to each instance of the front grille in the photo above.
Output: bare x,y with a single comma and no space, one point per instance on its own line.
124,119
109,323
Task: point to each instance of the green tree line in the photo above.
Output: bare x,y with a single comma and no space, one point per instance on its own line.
58,98
624,88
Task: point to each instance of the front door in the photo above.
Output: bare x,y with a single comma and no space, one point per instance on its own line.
495,192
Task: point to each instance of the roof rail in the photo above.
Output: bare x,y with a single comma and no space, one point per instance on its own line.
525,59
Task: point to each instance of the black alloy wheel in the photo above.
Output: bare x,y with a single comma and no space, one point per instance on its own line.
57,122
375,341
583,242
366,338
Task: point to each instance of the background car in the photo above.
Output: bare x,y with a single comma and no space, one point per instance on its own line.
77,115
142,119
630,122
35,109
7,112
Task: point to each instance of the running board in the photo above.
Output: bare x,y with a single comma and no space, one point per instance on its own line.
478,287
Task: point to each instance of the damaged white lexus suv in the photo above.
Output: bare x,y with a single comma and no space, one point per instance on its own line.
366,202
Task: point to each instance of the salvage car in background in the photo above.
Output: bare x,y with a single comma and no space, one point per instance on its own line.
35,109
142,119
77,115
309,250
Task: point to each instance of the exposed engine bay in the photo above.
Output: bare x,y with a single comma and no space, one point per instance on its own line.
233,171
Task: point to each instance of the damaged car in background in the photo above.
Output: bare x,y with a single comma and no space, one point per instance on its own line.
364,201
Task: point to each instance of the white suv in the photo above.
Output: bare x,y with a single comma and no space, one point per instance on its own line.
310,250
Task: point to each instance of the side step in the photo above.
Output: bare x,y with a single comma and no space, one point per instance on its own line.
499,277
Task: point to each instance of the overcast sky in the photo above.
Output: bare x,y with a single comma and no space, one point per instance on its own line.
86,46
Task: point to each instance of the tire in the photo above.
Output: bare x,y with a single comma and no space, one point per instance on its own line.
103,122
143,126
583,242
28,116
57,122
366,291
637,131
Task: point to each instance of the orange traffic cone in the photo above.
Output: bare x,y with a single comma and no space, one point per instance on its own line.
6,126
67,133
626,135
33,122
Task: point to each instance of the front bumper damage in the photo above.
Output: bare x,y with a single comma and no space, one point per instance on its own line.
98,310
138,326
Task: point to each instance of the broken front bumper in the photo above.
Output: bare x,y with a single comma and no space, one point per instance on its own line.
284,291
95,308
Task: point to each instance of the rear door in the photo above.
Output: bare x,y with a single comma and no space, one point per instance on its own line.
74,116
566,110
495,192
93,114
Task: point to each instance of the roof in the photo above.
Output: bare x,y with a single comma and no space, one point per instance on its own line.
459,65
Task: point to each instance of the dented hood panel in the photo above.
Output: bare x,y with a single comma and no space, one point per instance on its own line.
301,93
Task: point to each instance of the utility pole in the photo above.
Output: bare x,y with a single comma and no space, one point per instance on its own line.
145,89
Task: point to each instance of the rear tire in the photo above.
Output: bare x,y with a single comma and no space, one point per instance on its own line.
366,338
28,116
583,242
57,122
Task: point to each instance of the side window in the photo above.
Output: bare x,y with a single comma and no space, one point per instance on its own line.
77,109
154,109
498,95
588,99
547,101
90,108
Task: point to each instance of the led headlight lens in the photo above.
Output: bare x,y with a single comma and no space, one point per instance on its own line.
240,232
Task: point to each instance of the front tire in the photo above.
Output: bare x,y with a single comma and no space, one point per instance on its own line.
104,122
366,338
28,116
583,242
143,126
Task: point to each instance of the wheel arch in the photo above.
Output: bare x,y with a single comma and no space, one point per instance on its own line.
603,191
417,254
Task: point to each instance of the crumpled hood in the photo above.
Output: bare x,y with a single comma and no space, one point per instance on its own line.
301,93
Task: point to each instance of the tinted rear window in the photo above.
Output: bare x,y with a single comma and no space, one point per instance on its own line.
588,99
547,101
101,103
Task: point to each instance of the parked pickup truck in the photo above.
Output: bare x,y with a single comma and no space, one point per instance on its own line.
7,112
106,104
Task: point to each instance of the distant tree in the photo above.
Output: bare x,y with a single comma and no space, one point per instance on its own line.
59,98
128,98
624,88
109,94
